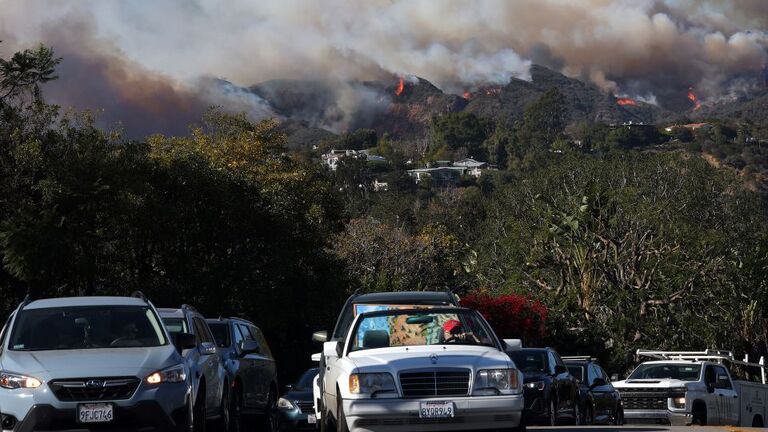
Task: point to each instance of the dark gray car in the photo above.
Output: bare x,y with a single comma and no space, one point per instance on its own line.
250,367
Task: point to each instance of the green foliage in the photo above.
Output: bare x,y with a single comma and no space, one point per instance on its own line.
458,135
25,71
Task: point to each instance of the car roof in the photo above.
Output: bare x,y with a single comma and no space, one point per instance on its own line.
404,297
529,350
85,301
227,320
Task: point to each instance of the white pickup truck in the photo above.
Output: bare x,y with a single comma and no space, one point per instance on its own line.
684,387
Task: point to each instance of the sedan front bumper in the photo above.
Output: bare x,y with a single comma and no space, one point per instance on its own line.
395,415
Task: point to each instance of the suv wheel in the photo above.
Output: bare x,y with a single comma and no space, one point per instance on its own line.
236,410
198,417
269,419
225,421
552,413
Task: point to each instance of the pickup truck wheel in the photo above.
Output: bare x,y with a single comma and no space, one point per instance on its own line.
699,415
757,422
341,420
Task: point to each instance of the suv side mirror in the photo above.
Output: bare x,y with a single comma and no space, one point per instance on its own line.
185,341
598,382
208,348
320,336
560,369
615,377
249,347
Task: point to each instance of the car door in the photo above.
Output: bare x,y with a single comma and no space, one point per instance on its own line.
561,382
601,392
249,395
266,361
251,361
727,399
210,363
710,399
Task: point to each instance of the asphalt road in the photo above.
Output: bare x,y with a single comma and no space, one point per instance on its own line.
643,428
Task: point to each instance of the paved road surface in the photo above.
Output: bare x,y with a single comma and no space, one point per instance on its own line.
642,428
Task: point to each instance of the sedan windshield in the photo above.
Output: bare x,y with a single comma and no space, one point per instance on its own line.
395,328
85,328
306,380
530,361
683,372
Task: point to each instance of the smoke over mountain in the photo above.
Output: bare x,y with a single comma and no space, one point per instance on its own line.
159,63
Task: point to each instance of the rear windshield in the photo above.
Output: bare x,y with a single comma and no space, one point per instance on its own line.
683,372
86,327
220,333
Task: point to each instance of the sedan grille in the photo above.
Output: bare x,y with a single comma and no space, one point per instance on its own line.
305,406
435,383
94,389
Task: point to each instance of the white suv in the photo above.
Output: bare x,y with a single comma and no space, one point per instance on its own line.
82,362
434,368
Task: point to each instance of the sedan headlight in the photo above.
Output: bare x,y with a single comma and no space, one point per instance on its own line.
285,404
15,381
538,385
173,374
371,383
497,381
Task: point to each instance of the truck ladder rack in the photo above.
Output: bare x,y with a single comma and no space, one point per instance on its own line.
710,354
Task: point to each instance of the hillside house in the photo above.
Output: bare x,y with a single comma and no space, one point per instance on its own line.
332,158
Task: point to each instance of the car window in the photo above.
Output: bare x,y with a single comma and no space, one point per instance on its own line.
246,332
237,334
175,326
529,361
710,376
203,330
262,341
721,371
577,371
601,373
220,332
306,380
591,374
552,362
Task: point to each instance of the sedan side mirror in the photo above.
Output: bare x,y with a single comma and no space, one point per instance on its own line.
185,341
249,347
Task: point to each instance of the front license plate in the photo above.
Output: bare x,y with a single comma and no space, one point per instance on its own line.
436,410
311,419
95,413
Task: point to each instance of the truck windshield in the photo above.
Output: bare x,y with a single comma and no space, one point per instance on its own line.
86,327
394,328
682,372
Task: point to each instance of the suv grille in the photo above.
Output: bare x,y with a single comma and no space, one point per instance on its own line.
305,406
94,389
644,398
435,383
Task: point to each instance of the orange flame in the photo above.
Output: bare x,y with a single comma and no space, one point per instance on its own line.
692,97
467,95
626,101
400,87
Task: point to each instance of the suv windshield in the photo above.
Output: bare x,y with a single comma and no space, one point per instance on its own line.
530,361
395,328
86,327
683,372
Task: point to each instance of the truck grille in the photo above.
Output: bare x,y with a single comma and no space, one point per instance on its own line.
94,389
435,383
645,398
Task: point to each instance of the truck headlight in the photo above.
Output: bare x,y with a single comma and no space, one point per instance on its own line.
371,383
173,374
15,381
678,402
497,381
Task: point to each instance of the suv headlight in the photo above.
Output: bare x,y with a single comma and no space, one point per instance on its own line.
173,374
371,383
284,403
15,381
538,385
497,381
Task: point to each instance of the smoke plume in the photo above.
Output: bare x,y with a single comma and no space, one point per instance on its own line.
155,65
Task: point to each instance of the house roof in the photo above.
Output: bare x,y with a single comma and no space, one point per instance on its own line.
469,163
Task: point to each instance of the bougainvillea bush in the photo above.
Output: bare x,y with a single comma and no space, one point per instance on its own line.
511,316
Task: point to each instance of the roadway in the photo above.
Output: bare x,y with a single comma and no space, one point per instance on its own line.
642,428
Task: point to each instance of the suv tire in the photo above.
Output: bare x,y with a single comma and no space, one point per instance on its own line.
236,421
199,422
268,421
552,413
224,423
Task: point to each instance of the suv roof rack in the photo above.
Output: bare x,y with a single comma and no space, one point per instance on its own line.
715,355
188,307
139,295
580,358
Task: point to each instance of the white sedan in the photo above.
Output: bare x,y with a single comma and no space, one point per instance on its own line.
425,369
